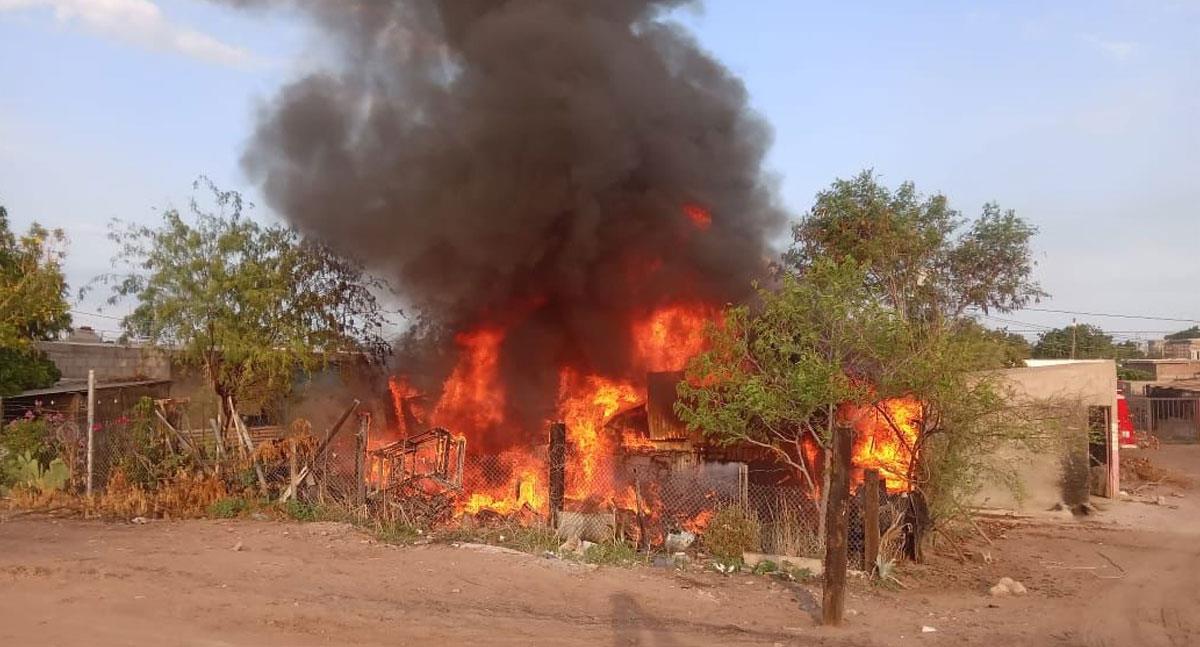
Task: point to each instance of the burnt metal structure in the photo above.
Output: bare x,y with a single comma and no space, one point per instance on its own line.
434,454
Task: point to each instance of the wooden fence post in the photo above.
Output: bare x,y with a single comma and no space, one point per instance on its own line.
360,460
870,519
557,459
91,427
833,592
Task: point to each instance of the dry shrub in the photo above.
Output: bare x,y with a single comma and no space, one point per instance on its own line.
299,439
23,498
186,494
788,533
732,531
122,498
1148,472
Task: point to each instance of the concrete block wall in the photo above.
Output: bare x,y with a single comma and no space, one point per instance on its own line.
111,362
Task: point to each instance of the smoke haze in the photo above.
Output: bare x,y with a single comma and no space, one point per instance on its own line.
530,164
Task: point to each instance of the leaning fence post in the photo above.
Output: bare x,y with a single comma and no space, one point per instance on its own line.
557,457
91,425
870,519
360,456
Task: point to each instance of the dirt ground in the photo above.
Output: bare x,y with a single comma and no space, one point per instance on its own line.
1128,575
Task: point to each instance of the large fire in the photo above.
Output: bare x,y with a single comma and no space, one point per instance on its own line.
473,404
885,440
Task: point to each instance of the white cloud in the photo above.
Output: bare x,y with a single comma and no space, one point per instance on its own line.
140,22
1119,50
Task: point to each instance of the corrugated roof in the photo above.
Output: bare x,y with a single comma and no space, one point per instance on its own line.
80,386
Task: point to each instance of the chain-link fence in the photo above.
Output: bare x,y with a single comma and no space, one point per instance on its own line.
652,499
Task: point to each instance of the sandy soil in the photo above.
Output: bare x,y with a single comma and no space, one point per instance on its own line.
1129,575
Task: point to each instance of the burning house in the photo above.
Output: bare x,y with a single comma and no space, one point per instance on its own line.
568,192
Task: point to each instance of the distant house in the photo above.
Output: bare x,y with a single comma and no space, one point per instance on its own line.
1165,370
1181,349
124,374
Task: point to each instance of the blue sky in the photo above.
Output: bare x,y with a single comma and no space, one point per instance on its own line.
1082,116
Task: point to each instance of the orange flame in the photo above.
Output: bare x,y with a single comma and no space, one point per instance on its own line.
473,403
700,217
473,396
885,438
586,405
668,337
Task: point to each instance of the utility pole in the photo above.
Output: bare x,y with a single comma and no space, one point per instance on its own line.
1074,329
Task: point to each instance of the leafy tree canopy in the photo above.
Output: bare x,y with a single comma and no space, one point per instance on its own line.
921,256
874,305
1087,342
994,348
33,304
776,376
249,305
1189,333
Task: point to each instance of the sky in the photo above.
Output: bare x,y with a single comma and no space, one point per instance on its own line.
1084,117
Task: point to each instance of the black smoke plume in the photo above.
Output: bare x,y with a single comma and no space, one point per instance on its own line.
526,162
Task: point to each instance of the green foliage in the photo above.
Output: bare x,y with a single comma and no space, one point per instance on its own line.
875,307
1188,333
993,348
1083,341
25,368
228,508
921,257
529,539
33,304
29,435
25,470
775,376
398,533
611,553
145,453
249,305
765,567
26,443
301,511
1133,374
731,532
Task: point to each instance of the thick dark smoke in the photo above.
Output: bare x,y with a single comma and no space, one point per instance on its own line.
524,161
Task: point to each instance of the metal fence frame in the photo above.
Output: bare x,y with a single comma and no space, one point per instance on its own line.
1171,419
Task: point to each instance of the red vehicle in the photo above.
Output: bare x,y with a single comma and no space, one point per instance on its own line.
1125,435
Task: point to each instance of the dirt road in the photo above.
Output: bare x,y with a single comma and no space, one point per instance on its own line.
218,583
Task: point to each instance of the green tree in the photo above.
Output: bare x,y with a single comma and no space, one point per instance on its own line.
921,256
250,306
994,348
775,377
33,304
1188,333
821,348
1083,341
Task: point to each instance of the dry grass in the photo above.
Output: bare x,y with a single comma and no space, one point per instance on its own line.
1148,472
787,533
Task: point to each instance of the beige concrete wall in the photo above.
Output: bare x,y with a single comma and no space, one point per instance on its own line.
112,362
1042,474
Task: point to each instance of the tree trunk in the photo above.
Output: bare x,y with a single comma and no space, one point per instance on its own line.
833,592
826,458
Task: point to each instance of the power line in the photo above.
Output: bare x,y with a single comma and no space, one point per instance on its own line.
95,314
1114,316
